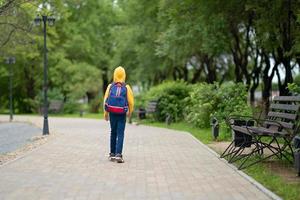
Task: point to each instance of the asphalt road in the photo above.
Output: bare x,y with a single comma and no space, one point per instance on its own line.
15,135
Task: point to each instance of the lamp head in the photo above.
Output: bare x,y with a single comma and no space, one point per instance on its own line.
10,60
37,21
51,21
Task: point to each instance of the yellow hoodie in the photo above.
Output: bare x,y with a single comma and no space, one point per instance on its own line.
120,76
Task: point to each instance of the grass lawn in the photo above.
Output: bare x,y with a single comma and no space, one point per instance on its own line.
269,174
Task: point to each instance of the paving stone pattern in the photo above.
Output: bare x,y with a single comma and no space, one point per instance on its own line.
159,164
16,135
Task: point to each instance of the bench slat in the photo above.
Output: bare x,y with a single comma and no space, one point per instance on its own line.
285,107
282,115
287,98
283,124
151,107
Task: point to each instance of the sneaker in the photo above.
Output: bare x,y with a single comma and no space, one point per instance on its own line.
111,156
119,158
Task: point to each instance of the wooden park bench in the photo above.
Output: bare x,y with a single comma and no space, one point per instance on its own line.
150,109
55,106
274,133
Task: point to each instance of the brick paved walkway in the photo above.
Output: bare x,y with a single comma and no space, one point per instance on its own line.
159,164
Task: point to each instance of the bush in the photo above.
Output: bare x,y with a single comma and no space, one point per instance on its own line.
208,100
171,99
201,104
71,106
232,100
295,86
95,105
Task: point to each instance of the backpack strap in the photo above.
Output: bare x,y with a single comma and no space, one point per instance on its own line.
115,83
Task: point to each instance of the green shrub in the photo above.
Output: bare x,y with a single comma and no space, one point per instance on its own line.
171,99
232,100
95,105
71,106
202,104
208,100
295,86
139,101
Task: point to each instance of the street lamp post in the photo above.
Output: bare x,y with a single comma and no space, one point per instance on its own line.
50,20
10,61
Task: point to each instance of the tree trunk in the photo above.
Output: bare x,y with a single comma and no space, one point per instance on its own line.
267,82
240,52
210,68
255,77
185,73
30,82
29,85
90,96
198,71
105,80
177,74
197,74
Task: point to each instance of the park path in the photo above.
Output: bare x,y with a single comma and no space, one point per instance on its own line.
159,164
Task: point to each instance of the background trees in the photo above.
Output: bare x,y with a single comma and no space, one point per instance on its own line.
255,43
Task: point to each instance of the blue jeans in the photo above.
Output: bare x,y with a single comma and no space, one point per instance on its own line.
117,125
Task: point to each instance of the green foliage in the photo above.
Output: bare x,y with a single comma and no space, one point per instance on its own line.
202,104
95,105
156,40
197,103
55,94
232,100
81,77
170,97
211,100
140,100
295,86
71,106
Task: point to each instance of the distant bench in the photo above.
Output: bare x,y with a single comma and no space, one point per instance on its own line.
56,106
150,109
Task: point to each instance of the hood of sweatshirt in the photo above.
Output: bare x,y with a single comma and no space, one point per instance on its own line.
119,75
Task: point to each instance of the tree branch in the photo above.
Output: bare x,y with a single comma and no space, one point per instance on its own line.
6,6
14,26
8,38
10,4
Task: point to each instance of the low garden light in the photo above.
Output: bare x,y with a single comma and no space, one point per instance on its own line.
214,128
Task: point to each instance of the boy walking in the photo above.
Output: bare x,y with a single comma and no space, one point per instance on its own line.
118,102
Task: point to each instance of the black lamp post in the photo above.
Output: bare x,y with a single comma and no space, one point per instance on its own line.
37,22
10,61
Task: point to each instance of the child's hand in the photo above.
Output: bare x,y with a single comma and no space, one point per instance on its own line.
129,115
106,117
